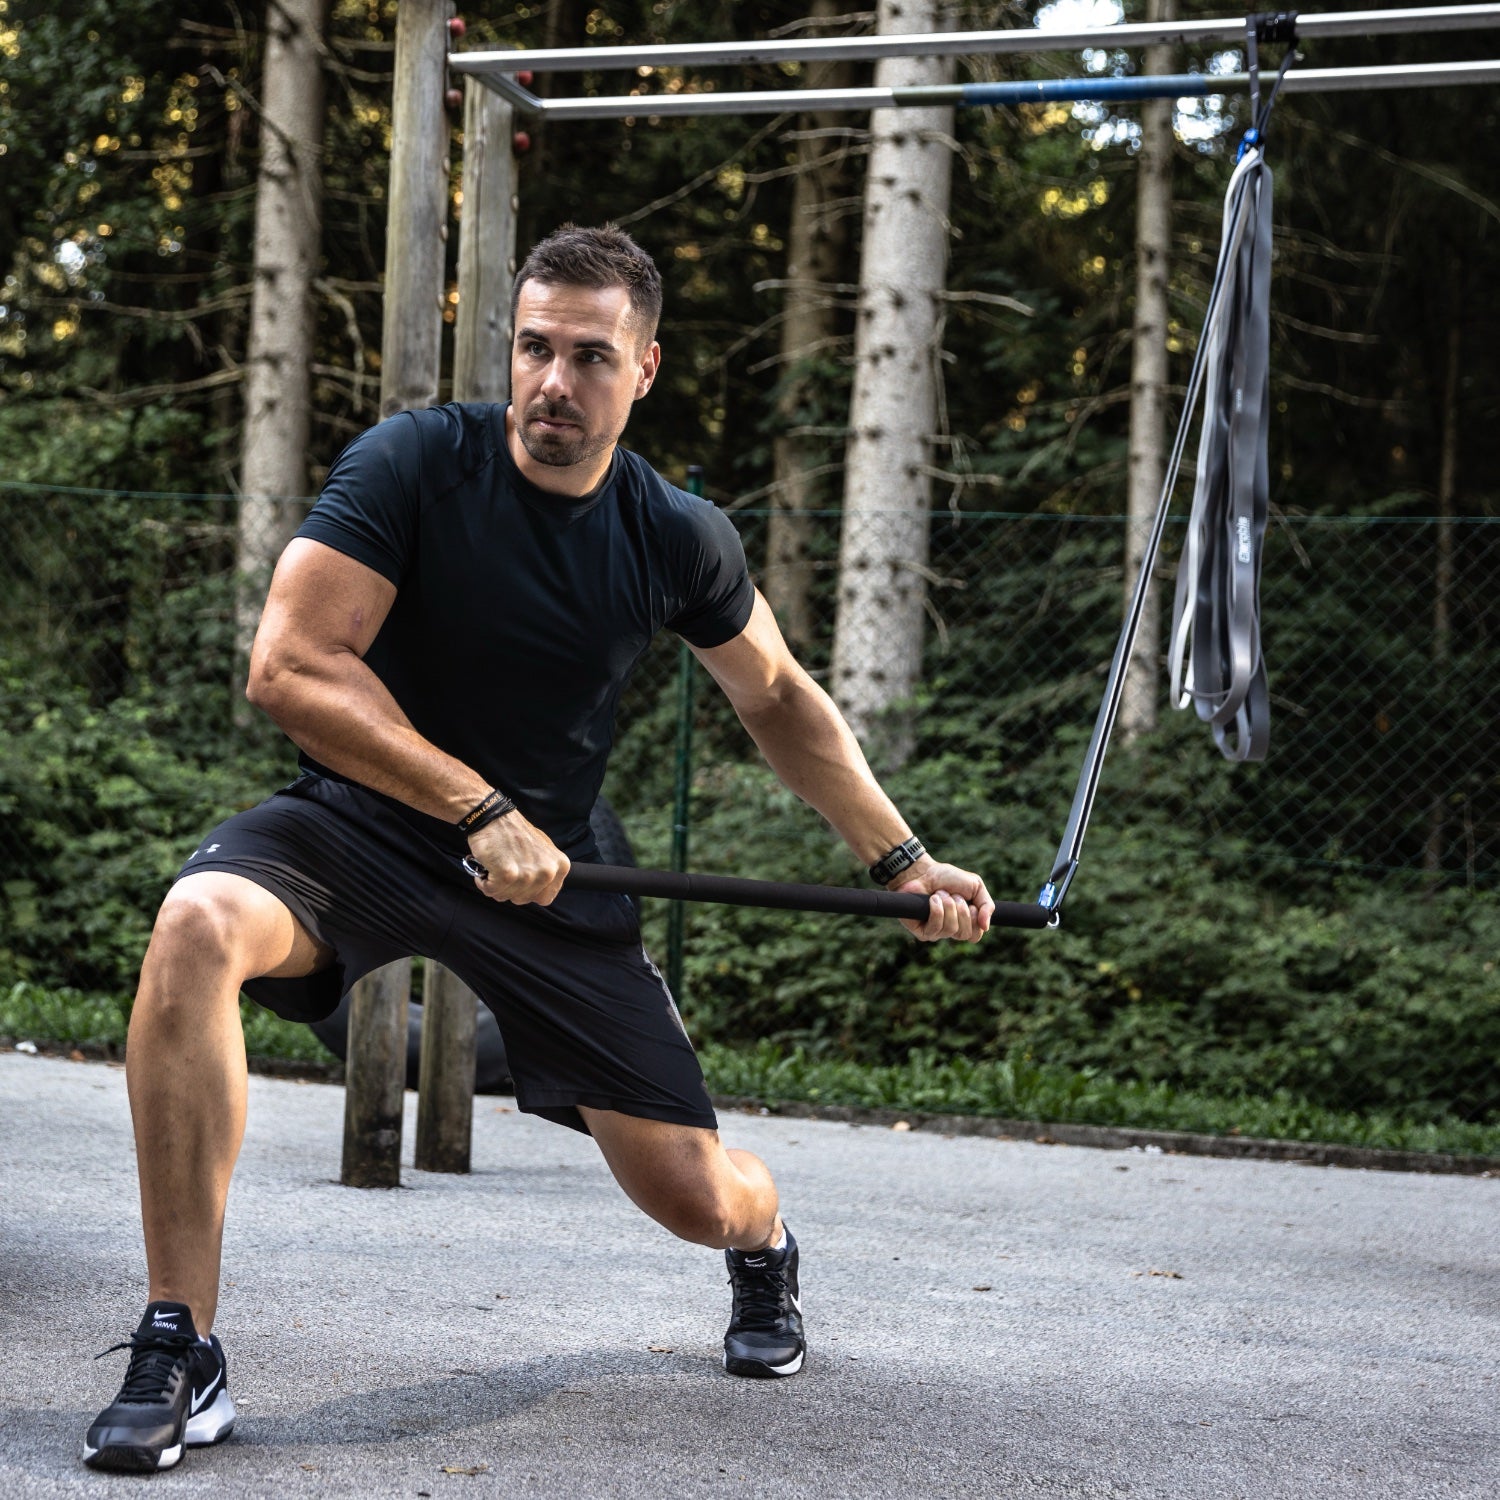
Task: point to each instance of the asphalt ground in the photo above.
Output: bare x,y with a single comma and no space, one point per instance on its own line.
986,1318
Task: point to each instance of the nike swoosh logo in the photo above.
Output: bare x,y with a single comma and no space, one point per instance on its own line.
206,1392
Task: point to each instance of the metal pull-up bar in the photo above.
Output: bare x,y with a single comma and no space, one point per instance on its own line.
963,43
498,69
971,95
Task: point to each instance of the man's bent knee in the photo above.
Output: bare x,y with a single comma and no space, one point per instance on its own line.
218,929
684,1179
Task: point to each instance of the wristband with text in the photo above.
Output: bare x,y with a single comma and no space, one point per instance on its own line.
495,805
902,857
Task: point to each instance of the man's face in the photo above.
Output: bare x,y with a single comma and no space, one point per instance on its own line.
576,369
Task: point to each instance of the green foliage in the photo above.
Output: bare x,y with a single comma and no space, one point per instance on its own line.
268,1036
38,1013
1015,1087
1185,960
1205,952
98,811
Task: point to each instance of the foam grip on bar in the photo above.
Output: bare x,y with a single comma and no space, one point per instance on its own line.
732,890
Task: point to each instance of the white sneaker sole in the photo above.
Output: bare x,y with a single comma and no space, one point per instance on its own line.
763,1369
212,1425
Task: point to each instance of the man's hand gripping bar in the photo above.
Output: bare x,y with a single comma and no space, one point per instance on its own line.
731,890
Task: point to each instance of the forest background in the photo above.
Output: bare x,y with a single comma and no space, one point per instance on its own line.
1320,931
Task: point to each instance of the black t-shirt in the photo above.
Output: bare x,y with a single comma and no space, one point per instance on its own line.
519,614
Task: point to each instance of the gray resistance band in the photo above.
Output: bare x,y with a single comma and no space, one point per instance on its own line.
1214,652
1218,577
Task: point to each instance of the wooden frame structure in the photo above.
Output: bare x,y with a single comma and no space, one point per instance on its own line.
414,304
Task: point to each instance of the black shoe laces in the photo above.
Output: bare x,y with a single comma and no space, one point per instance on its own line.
762,1294
152,1361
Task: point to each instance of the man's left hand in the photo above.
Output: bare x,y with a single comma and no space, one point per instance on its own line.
960,907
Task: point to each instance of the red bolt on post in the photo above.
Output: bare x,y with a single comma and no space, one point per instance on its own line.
456,27
520,141
454,98
524,78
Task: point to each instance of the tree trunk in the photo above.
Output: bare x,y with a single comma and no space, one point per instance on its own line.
288,231
1148,380
411,335
817,242
883,549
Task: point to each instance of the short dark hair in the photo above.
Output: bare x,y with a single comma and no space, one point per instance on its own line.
602,257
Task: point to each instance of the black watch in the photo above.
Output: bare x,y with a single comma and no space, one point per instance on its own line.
902,857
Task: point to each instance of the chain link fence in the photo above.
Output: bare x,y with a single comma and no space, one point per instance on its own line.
1382,638
1353,874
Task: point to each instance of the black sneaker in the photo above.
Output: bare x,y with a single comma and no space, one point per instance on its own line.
765,1327
176,1395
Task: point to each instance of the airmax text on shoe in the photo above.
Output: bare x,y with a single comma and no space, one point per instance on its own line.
175,1396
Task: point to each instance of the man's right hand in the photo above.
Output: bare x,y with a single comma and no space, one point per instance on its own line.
522,864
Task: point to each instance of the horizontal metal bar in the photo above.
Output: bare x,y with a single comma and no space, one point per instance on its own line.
966,43
967,95
774,101
1414,76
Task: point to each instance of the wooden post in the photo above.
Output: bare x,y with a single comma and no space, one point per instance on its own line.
278,363
375,1078
417,215
486,248
481,372
445,1089
410,351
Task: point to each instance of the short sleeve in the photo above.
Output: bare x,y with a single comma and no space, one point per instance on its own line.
370,505
717,594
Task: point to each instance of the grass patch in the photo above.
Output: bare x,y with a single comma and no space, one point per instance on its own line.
1018,1088
1014,1087
30,1013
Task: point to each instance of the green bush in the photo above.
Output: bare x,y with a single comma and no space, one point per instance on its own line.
1183,960
101,806
1017,1087
31,1012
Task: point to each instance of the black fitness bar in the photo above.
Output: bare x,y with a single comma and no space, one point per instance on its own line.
731,890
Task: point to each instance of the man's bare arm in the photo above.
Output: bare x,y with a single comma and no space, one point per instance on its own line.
809,746
307,672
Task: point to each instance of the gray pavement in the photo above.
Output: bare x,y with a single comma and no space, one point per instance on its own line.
986,1318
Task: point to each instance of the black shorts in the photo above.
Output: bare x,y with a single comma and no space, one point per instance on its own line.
585,1015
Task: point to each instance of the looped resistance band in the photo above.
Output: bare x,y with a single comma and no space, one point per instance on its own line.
1217,663
1215,657
1214,651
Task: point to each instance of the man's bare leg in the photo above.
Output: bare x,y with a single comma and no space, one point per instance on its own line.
687,1181
185,1068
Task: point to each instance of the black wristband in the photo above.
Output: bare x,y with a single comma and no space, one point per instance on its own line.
495,805
902,857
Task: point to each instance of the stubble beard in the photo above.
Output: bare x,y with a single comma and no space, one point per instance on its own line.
561,450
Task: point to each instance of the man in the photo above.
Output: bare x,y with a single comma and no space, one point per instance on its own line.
445,641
